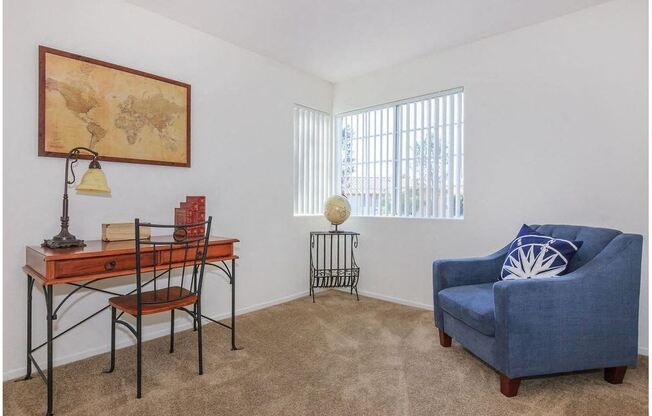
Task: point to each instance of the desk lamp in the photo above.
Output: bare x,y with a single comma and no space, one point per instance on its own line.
93,182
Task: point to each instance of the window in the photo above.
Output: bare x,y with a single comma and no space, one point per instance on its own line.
314,160
404,159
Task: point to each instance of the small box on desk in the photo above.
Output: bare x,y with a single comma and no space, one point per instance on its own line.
124,231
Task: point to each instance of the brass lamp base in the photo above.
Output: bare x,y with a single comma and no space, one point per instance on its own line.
63,240
52,243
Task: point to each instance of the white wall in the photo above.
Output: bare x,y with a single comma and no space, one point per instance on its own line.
241,160
556,132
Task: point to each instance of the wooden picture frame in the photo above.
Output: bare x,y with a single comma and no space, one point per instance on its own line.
60,102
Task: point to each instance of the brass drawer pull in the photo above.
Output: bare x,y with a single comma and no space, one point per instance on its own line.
109,265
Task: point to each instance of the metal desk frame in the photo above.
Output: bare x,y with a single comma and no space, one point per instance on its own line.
48,290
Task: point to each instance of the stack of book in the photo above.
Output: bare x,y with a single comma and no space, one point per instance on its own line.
192,211
124,231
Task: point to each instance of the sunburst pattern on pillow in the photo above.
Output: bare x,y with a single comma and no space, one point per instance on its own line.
533,255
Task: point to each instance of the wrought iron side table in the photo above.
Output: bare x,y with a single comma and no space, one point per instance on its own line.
332,261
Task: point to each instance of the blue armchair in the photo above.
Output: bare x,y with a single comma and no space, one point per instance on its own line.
584,319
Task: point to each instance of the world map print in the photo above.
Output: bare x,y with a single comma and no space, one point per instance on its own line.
119,114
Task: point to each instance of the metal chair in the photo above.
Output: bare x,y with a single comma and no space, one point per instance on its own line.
160,256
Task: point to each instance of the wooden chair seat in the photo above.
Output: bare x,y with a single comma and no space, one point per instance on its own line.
178,297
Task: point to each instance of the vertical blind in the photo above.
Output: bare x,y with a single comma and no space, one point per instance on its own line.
314,160
405,158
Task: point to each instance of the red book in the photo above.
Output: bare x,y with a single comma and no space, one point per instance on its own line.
190,218
197,204
194,218
189,211
179,216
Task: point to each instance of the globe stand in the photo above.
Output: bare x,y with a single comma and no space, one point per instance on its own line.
332,261
336,230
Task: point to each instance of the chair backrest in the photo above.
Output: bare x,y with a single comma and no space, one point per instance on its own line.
594,240
161,255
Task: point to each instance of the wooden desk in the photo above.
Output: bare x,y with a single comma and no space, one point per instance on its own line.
82,266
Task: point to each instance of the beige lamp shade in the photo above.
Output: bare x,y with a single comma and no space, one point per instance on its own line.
94,181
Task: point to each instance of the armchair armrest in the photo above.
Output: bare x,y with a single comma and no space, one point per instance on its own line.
469,271
585,319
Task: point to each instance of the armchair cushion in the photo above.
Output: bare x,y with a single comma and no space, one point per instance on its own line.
471,304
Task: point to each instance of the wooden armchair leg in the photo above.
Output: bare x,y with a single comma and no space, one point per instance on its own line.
444,339
615,375
509,386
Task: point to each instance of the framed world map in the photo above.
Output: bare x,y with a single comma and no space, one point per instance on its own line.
123,114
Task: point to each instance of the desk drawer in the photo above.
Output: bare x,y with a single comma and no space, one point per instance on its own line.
96,265
179,254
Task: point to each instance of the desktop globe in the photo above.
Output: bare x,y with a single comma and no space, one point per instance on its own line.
337,210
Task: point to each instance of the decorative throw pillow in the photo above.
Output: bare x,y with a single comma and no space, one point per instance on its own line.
533,255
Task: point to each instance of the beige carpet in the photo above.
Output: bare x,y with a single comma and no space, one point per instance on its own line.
335,357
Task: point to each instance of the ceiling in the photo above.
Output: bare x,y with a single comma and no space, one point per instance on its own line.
340,39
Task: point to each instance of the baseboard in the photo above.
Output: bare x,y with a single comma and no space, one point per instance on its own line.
643,351
180,326
396,300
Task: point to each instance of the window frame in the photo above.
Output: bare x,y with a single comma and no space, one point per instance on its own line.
457,130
